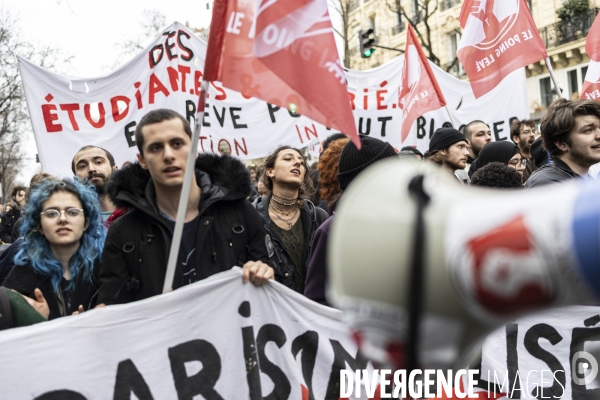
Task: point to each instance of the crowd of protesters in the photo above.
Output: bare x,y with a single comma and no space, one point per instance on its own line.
103,236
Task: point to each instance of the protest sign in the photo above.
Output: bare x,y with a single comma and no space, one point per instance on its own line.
216,339
68,113
546,355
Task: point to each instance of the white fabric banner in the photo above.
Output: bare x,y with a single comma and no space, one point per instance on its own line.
216,339
547,355
68,113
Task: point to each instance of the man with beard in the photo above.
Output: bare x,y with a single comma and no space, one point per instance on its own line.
478,134
522,134
96,164
571,134
448,148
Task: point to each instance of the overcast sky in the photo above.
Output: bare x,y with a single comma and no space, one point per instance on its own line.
90,32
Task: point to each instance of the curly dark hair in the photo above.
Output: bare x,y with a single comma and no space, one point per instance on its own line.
559,121
497,175
306,190
328,167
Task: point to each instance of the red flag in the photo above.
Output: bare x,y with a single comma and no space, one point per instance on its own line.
591,83
499,37
285,55
420,91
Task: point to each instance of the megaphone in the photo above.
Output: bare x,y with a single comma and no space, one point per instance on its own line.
421,263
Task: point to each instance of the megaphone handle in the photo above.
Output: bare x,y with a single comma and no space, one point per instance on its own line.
417,273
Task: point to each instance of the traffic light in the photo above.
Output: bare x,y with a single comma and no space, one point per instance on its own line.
366,39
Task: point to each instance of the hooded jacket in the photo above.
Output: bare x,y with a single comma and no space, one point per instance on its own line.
229,230
312,218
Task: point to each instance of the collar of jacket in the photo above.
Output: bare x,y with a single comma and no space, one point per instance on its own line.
221,178
560,164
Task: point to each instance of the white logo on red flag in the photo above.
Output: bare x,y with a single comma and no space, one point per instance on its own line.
284,53
420,91
499,37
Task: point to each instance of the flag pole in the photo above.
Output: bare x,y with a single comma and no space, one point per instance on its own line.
185,191
551,71
450,115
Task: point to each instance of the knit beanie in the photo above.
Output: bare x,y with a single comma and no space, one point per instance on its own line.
444,138
353,161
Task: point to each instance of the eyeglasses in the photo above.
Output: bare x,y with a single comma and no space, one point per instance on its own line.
518,163
70,213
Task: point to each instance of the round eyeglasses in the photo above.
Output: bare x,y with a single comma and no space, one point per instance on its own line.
70,213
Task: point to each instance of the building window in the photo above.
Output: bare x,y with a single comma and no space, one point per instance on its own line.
399,24
583,73
448,4
573,83
546,91
530,5
454,40
353,5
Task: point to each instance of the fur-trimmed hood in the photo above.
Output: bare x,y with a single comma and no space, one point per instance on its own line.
219,178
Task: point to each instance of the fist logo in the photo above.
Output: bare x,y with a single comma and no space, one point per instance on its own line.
496,18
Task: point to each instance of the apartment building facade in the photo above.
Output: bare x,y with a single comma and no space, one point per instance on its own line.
564,40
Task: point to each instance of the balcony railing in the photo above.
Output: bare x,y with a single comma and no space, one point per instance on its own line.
570,30
448,4
398,28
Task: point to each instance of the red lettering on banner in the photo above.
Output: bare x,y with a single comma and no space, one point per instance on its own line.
173,78
239,148
50,115
114,105
352,97
366,99
184,70
70,108
379,96
156,86
101,118
222,95
308,132
138,95
197,81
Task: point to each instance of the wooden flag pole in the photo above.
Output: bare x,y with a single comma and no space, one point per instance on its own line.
185,191
551,71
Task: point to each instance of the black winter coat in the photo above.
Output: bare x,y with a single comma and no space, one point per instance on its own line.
7,225
25,280
555,171
220,242
312,218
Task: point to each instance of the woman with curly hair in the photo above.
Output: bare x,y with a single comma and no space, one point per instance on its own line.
63,237
290,218
328,169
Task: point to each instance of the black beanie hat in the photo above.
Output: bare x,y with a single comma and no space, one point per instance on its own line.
353,161
444,138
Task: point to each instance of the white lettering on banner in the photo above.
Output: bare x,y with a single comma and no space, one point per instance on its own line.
168,73
259,342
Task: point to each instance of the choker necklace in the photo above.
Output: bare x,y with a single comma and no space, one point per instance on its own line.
281,212
286,220
284,201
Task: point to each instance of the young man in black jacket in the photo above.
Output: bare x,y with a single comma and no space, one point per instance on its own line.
221,229
10,217
571,134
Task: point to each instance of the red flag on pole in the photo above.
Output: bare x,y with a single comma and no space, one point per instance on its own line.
499,37
283,53
591,83
420,91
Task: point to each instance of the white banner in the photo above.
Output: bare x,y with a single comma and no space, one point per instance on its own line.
547,355
68,113
216,339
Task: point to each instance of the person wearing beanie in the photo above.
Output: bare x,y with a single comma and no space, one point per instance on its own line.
448,148
352,163
413,150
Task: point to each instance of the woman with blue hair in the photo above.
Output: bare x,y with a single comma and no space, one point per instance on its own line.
63,238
